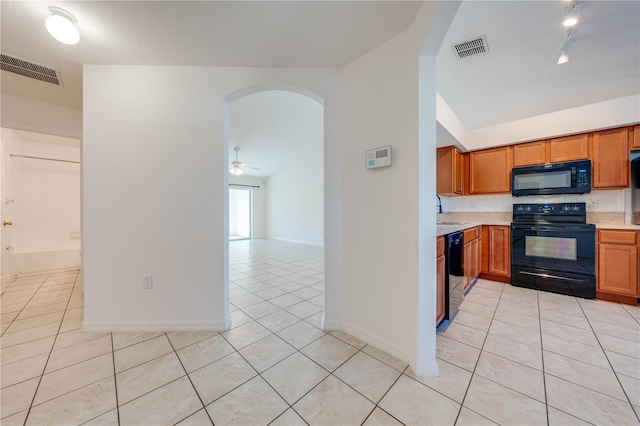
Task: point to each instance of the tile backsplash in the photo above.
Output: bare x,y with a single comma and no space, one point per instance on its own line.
602,206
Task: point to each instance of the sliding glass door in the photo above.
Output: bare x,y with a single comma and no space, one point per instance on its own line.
239,213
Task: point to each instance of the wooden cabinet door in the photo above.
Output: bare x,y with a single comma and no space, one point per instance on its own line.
529,154
636,138
496,250
440,271
490,170
475,259
450,171
569,148
467,264
618,269
611,158
458,163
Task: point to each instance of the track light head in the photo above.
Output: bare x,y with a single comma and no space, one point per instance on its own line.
564,49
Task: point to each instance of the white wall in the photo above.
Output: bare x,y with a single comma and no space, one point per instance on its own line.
295,206
601,115
389,292
28,114
154,158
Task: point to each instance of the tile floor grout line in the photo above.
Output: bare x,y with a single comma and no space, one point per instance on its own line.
115,377
44,367
204,407
615,373
544,374
24,306
464,397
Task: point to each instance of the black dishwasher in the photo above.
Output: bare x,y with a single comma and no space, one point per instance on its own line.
454,274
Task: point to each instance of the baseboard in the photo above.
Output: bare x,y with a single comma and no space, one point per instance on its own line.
108,326
287,240
331,325
499,278
375,340
627,300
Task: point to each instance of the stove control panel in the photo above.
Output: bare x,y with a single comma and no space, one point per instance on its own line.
550,209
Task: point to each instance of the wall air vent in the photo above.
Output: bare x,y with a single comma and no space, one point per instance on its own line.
30,69
472,47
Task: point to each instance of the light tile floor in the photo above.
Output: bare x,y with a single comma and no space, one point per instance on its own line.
512,356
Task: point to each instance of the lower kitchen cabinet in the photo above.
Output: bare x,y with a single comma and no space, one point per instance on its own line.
496,253
617,265
471,255
440,271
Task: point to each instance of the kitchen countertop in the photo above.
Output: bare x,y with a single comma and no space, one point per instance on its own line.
448,229
618,226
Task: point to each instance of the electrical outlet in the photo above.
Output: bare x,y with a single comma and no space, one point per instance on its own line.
593,204
148,281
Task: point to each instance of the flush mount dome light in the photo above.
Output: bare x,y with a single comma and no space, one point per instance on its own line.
61,26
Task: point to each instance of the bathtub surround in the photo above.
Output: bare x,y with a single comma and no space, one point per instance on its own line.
42,199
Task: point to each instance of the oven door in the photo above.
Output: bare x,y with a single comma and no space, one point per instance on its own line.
557,258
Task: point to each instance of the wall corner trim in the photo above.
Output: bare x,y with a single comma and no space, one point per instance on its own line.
109,326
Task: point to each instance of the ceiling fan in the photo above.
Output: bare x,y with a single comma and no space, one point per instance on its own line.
237,166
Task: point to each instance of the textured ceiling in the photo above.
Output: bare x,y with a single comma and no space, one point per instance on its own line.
198,33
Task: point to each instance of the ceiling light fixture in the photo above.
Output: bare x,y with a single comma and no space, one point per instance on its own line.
564,49
571,14
235,170
61,26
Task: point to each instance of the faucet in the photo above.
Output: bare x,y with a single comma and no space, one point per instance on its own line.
439,205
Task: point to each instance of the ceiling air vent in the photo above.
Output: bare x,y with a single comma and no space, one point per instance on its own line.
472,47
29,69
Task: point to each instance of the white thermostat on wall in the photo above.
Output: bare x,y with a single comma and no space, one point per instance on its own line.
379,157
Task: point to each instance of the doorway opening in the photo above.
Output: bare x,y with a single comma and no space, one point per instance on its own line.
39,203
240,213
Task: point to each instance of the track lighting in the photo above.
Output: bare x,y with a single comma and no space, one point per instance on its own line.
564,49
571,14
61,26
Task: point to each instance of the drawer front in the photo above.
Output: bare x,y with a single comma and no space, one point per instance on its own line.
617,237
471,234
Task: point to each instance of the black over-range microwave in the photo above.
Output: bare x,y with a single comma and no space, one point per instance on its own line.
560,178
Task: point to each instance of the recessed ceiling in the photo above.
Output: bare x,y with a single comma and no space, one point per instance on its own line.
195,33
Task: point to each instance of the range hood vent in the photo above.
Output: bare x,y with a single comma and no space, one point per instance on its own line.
471,47
30,69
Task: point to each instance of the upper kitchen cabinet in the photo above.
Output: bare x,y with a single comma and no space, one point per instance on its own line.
610,158
636,138
490,170
450,171
569,148
557,150
530,154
